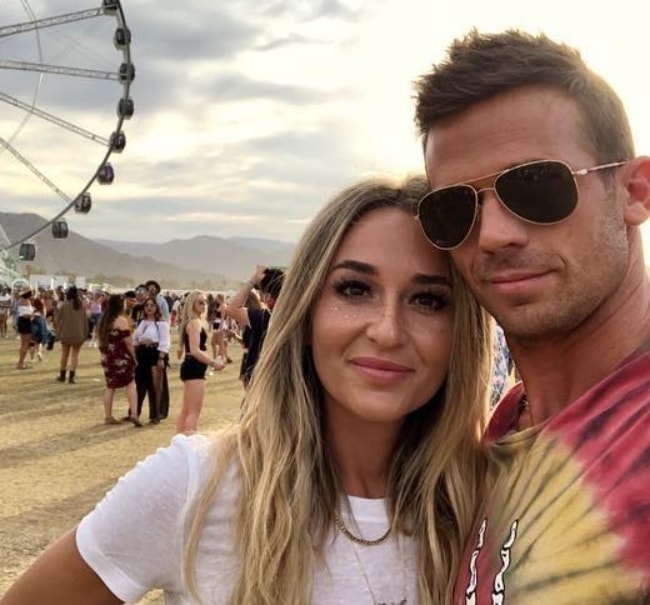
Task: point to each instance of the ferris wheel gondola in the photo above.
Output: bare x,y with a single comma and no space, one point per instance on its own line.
49,111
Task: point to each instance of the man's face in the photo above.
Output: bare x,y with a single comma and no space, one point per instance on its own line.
535,279
141,294
152,291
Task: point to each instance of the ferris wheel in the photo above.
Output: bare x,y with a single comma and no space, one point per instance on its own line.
65,95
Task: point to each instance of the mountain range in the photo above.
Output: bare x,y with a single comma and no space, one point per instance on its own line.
205,262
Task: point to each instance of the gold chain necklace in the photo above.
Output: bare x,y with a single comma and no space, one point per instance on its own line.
356,539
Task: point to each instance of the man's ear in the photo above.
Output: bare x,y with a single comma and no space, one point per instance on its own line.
637,203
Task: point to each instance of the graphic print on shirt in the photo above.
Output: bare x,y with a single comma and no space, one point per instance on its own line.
498,594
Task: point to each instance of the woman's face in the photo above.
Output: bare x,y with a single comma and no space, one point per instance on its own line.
382,327
149,308
200,305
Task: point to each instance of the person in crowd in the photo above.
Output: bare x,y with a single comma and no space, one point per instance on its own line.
95,310
539,196
153,289
24,314
175,311
39,331
71,327
193,329
137,309
268,280
502,367
130,301
51,304
5,309
152,340
118,359
355,471
244,336
218,341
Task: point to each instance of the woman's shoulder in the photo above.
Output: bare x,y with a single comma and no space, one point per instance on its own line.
195,324
139,519
121,323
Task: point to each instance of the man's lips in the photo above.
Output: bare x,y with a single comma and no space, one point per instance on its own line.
518,283
507,277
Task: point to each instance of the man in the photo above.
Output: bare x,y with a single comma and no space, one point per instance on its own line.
539,197
268,280
130,302
153,288
137,309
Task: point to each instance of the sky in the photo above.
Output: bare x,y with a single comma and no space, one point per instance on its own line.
251,114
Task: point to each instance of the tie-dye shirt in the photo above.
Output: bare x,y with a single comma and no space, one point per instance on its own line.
568,521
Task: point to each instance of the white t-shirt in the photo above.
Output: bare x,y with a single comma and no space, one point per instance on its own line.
133,539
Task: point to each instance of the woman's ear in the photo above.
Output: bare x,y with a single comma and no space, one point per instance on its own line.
636,207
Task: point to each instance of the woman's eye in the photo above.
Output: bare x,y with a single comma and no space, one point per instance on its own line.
351,288
434,301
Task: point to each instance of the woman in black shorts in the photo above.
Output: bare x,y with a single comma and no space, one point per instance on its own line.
194,332
24,325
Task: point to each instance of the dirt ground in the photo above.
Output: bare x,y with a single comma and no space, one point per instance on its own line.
57,458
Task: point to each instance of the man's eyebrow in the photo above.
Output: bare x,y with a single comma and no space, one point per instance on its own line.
368,269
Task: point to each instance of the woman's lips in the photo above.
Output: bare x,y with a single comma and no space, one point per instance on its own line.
379,370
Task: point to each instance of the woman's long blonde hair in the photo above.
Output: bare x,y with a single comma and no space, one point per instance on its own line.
290,488
188,312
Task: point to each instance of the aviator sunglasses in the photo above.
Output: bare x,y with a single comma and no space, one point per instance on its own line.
543,192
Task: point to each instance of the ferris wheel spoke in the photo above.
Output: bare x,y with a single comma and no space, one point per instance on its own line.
60,70
23,160
19,28
54,119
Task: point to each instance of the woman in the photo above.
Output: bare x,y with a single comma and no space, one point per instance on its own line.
354,472
39,331
218,340
71,331
118,358
95,310
151,339
24,312
194,335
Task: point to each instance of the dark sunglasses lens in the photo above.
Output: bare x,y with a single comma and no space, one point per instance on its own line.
543,192
447,215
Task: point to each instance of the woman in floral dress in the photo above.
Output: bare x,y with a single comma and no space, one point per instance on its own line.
118,358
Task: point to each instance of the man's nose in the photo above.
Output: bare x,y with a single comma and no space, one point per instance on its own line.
496,226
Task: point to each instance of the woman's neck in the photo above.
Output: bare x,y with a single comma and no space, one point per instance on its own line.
363,452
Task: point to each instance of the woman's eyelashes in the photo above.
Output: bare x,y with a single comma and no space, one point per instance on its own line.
434,299
425,298
351,288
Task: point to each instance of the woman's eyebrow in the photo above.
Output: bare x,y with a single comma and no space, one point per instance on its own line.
368,269
356,265
426,279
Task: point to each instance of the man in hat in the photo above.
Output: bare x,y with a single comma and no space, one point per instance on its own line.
153,287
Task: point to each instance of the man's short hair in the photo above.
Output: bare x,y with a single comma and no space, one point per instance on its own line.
481,66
